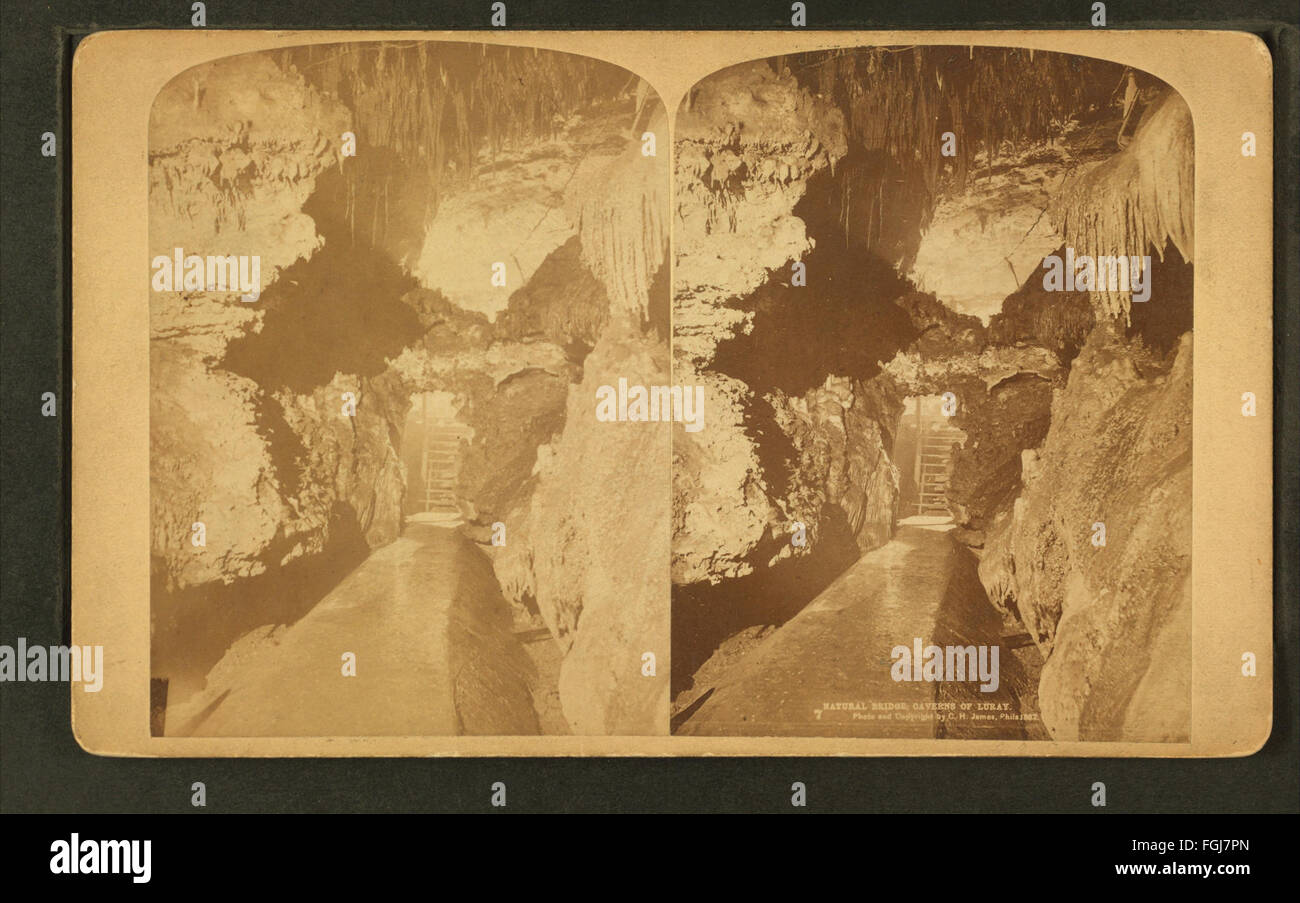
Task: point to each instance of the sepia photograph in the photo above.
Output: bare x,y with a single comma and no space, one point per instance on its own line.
387,280
669,394
940,299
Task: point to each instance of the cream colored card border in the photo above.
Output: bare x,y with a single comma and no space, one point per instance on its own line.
1226,79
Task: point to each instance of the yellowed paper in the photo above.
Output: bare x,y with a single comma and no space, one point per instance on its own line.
673,393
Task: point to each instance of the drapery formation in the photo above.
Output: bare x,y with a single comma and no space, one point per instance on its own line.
1137,201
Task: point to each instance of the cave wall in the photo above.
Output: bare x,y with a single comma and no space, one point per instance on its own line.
1113,622
597,535
840,434
1113,619
220,443
812,453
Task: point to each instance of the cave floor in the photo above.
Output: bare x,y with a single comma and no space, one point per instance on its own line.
395,613
826,671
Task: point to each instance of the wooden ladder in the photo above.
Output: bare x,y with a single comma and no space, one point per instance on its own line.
440,465
934,456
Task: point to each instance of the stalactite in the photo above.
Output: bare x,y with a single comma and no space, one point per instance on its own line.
440,106
1138,200
624,234
448,108
900,100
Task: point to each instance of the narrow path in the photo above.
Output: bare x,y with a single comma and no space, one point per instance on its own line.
826,671
395,613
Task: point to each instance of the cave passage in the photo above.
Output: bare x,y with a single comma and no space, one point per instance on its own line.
415,641
436,648
828,671
923,453
432,450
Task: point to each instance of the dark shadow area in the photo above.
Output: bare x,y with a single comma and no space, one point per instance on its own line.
373,200
842,322
528,602
157,706
283,444
193,628
776,451
562,302
659,308
703,616
1059,321
872,205
685,714
338,311
1000,424
193,724
967,618
1162,319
